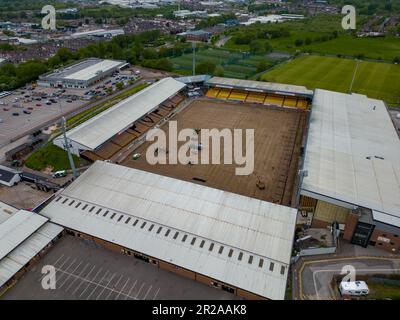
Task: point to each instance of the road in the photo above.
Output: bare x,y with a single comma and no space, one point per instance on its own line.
314,277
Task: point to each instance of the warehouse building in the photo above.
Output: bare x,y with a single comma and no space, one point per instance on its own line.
236,243
108,132
25,237
82,74
351,171
9,177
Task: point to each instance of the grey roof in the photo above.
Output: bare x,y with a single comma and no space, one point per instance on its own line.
97,130
83,70
194,79
113,197
353,154
7,174
259,86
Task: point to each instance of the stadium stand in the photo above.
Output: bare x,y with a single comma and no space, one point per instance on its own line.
274,100
212,93
238,95
302,104
224,93
290,102
123,139
107,150
255,97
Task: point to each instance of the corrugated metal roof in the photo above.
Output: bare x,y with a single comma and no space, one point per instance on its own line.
30,247
17,228
353,152
105,125
107,200
93,70
6,211
259,85
194,79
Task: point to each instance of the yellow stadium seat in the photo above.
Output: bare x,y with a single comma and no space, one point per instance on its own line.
238,95
274,100
290,102
212,92
302,104
255,97
224,93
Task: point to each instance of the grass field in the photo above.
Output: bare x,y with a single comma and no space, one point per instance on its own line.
386,48
235,64
374,79
52,156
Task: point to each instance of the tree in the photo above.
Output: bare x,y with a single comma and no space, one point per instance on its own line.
119,85
308,41
256,47
298,42
268,47
206,67
262,66
396,59
219,71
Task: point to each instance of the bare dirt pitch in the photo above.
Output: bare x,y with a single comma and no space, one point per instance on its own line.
278,137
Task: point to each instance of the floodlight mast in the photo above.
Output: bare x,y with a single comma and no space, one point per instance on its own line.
67,147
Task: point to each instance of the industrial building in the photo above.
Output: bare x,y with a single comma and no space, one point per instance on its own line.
82,74
107,133
9,177
236,243
24,236
351,172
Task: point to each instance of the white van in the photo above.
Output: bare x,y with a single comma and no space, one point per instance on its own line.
353,288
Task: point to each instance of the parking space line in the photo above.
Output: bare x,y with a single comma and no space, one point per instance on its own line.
68,276
54,265
129,293
112,277
156,294
115,286
91,270
94,278
144,298
79,275
97,285
139,290
122,290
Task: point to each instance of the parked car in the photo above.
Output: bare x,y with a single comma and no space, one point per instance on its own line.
60,174
26,112
69,101
38,104
353,288
15,114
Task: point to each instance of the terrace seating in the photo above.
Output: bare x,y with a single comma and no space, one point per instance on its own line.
274,100
290,102
212,92
123,139
224,93
107,150
302,104
90,156
255,97
238,95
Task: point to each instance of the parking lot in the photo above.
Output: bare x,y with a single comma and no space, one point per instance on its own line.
23,111
87,271
26,109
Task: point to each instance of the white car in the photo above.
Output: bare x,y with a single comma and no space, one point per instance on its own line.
354,288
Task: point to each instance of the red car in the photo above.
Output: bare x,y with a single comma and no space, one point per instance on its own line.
30,108
38,104
6,109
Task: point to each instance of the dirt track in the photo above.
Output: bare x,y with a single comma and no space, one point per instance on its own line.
278,135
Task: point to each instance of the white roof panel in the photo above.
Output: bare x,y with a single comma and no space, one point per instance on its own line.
259,85
105,125
29,248
17,228
353,152
241,224
93,70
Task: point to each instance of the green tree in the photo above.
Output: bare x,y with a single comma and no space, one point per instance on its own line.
206,67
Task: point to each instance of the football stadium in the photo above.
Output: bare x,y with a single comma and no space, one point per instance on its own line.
330,156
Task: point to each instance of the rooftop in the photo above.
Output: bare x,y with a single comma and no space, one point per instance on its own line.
97,130
353,153
251,85
83,70
223,235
